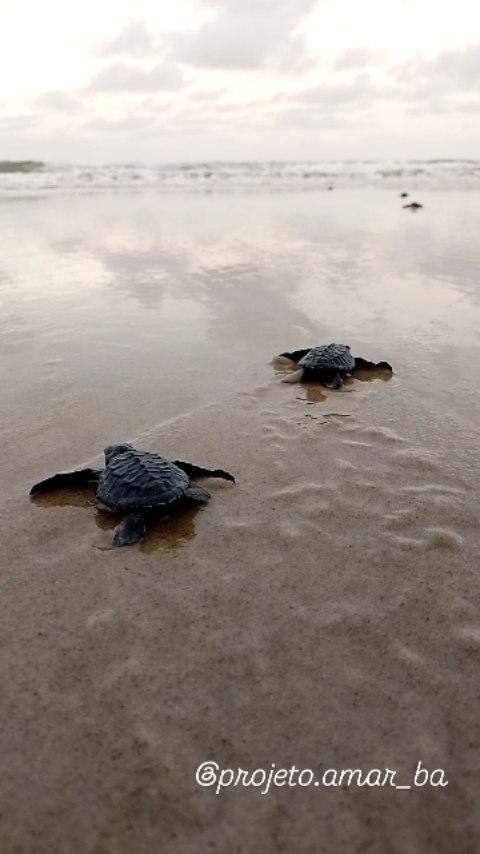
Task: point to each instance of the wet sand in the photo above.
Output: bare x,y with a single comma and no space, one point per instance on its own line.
322,612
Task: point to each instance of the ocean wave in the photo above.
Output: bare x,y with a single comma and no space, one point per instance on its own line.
31,175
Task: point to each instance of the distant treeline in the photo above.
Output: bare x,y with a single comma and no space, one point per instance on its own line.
21,165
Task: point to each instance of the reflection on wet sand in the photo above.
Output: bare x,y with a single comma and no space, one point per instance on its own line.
165,529
74,497
325,611
316,392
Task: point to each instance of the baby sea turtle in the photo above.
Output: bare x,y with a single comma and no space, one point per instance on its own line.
328,363
403,195
137,483
413,206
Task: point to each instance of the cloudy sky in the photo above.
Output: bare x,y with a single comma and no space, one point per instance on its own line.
153,80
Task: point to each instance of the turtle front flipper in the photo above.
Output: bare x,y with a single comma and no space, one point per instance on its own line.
365,363
66,479
296,355
334,381
198,471
131,529
197,495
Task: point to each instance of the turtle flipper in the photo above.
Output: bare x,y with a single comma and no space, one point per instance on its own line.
296,355
364,363
66,479
333,381
294,376
131,529
198,471
197,495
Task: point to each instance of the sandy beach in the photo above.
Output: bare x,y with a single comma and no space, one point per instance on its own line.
324,610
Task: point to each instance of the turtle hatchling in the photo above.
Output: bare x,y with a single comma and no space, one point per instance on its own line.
137,483
329,363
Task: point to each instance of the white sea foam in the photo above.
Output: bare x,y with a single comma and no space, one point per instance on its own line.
401,175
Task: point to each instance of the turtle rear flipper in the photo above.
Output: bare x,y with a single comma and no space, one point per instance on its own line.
365,363
198,471
294,377
66,479
296,355
131,529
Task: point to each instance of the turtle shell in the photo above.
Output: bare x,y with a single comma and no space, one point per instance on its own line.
135,479
329,357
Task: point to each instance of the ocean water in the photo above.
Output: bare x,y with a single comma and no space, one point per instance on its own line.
25,176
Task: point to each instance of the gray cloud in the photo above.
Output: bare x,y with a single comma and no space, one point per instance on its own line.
357,57
248,35
19,123
209,96
360,93
443,106
301,117
449,71
422,86
134,39
438,84
119,77
58,101
127,124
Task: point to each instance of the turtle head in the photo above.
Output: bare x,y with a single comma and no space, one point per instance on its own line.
111,451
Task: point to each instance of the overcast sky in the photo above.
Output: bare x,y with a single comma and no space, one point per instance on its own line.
156,80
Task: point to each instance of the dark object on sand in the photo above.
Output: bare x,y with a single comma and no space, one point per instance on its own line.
328,363
403,195
137,482
413,206
329,187
21,166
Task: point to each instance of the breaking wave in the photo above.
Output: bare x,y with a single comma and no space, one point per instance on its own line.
31,175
